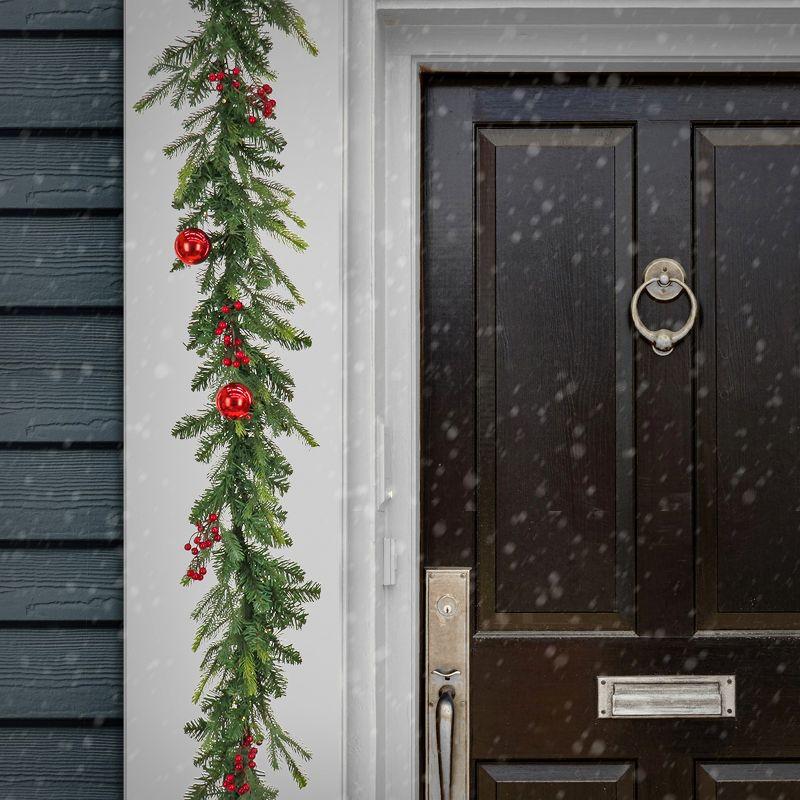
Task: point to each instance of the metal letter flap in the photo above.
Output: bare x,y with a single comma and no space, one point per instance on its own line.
665,696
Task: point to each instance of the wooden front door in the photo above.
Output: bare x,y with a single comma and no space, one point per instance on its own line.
623,513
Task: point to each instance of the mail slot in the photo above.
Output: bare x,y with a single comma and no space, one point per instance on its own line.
666,696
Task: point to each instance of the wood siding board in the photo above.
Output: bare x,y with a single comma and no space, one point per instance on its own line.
61,83
52,495
61,585
81,763
61,15
61,163
63,261
61,172
61,674
61,378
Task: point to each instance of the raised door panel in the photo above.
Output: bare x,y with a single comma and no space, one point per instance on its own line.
563,781
555,388
748,377
764,781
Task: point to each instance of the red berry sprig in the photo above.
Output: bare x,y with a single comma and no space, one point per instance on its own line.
259,99
245,750
228,329
206,537
269,104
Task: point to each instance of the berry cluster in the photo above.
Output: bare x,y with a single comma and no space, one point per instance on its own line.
245,750
207,534
258,99
261,101
218,78
228,330
268,104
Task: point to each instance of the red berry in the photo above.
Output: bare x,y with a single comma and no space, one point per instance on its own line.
251,119
226,362
203,570
240,354
199,578
238,305
252,753
220,87
227,341
225,309
235,84
222,324
187,546
236,70
220,76
237,342
213,517
212,76
217,537
251,764
267,88
215,529
199,527
196,540
245,359
237,364
195,551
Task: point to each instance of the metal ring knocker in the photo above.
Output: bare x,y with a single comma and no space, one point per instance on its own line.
664,280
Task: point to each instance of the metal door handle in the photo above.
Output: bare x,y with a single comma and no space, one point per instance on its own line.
445,716
664,279
447,674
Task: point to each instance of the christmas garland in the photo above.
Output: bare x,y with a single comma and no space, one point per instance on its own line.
228,197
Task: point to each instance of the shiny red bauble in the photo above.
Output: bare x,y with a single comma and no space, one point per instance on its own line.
192,246
234,401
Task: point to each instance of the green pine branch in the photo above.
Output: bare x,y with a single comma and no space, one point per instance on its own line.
227,187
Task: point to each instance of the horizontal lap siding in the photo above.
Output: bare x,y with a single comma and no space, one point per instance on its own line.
61,288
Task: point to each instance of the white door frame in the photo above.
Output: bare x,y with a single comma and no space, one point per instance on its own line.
388,42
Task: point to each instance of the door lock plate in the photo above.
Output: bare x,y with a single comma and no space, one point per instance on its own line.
447,684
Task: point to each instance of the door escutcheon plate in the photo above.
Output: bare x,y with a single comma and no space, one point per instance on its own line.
447,684
664,268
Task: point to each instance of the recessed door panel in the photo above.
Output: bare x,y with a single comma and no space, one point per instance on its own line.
748,377
569,781
763,781
555,384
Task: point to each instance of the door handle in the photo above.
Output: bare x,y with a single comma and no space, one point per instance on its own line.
445,719
447,674
664,280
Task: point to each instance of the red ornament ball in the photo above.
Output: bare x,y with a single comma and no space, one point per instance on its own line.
234,401
192,246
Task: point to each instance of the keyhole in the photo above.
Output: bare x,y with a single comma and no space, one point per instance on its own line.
446,605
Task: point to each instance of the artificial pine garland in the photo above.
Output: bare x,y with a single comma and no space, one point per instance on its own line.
228,197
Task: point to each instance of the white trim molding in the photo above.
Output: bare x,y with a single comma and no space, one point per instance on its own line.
388,42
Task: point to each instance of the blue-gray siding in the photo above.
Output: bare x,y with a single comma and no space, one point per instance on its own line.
61,110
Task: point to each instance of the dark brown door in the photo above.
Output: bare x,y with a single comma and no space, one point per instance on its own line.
624,514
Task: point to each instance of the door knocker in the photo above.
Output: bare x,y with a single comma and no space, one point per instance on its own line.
664,279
